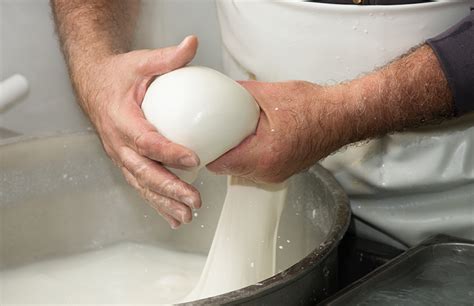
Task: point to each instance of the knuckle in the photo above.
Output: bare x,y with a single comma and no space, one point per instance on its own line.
139,144
141,173
169,187
150,196
147,144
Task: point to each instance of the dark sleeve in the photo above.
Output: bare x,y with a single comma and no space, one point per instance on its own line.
455,51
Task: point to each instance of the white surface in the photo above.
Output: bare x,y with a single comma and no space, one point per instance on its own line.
12,89
164,23
201,109
243,250
126,273
28,45
409,185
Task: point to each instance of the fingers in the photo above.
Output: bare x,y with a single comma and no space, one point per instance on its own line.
163,60
140,135
169,196
150,175
154,146
174,223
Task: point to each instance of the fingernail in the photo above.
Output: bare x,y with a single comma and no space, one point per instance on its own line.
181,44
188,161
189,201
185,220
174,225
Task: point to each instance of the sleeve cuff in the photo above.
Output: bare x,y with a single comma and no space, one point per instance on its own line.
455,51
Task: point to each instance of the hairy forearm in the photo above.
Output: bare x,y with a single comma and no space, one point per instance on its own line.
94,28
407,93
91,30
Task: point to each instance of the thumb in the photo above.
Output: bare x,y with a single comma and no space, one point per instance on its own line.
160,61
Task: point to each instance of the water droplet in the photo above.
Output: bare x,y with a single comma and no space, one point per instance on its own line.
272,130
64,176
354,28
280,247
252,264
276,108
314,213
195,214
288,241
366,31
202,225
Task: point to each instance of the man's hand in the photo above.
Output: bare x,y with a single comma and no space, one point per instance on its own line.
110,84
301,122
112,94
294,131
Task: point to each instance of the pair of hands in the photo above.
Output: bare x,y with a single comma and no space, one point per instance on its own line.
289,138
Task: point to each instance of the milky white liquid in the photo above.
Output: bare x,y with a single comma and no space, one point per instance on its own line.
126,273
242,254
243,249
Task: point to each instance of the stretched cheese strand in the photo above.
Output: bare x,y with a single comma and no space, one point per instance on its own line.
243,249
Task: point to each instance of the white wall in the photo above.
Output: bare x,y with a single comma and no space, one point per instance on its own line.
167,22
28,46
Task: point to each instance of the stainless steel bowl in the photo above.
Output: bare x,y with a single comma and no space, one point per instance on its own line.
61,195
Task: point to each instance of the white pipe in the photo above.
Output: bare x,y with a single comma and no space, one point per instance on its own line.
12,89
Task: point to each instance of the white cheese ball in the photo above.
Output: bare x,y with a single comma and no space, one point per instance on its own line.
201,109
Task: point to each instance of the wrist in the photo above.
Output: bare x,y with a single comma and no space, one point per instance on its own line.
88,78
332,115
349,105
364,99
